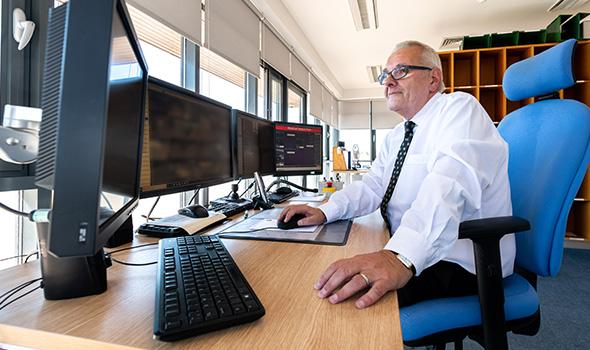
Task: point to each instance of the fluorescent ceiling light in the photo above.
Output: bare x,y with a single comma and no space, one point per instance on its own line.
374,72
364,14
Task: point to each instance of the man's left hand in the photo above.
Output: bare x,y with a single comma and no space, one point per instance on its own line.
344,278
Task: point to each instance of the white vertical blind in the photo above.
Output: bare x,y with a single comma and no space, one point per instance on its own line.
383,118
274,52
354,115
299,73
315,97
233,32
335,112
186,21
327,107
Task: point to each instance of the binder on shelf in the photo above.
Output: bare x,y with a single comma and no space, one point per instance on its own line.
504,39
532,37
477,42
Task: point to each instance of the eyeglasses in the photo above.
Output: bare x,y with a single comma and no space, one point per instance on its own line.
399,72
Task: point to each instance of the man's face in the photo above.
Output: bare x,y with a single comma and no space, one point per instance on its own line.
409,94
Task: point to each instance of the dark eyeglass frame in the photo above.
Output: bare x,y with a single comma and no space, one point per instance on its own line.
399,72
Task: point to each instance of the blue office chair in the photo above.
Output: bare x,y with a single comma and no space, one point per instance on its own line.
549,152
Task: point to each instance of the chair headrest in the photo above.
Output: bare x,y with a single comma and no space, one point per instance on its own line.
541,74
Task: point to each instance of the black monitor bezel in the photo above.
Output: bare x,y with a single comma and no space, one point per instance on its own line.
278,172
183,187
77,193
236,113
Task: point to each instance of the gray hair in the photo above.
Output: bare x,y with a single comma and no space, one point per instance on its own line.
429,57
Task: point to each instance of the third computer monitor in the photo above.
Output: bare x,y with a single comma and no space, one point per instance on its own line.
188,144
298,149
253,145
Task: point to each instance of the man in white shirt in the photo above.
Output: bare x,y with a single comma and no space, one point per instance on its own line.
445,164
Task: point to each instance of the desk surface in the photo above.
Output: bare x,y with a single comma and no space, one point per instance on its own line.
282,275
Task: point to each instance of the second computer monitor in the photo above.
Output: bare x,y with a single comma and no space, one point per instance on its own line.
253,145
188,144
298,149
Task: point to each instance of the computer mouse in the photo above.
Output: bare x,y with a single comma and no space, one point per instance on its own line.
194,211
283,190
291,224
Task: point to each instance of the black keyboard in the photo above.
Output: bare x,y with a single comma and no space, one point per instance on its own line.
160,231
200,289
230,208
279,198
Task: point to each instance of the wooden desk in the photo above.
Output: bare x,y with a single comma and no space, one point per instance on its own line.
281,274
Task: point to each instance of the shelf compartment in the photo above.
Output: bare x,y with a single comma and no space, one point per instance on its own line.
472,90
491,63
579,92
584,191
511,106
465,68
446,61
581,219
581,59
492,101
516,54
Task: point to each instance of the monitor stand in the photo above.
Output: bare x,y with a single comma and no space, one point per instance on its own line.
66,278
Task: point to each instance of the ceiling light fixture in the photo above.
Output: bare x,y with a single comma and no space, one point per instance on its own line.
364,14
374,72
566,4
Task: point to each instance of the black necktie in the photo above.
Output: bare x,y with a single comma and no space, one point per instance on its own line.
399,161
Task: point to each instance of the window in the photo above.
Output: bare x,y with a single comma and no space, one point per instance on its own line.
260,110
275,97
224,82
161,47
295,106
360,137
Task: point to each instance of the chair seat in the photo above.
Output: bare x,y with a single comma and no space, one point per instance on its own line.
434,316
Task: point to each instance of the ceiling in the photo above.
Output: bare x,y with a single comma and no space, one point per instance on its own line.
342,53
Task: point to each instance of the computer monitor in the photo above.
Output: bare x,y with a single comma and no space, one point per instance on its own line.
253,145
188,141
298,149
94,89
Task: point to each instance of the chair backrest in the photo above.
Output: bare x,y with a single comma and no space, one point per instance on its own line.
549,152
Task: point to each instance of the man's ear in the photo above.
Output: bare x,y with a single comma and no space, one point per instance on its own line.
435,80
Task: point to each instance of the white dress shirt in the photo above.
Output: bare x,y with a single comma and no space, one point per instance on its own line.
456,169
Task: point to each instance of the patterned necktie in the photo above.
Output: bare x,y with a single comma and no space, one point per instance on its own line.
399,161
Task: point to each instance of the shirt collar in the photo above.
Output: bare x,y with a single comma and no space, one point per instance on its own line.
425,113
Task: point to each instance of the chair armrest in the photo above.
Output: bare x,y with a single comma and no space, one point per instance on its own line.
492,227
485,235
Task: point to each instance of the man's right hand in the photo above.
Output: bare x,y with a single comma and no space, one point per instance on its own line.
313,216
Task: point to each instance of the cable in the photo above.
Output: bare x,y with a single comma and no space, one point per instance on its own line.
30,255
133,247
194,195
14,211
22,295
304,189
150,218
247,189
147,218
13,257
133,264
16,289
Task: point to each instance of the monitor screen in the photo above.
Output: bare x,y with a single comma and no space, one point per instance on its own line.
253,145
188,141
298,149
92,125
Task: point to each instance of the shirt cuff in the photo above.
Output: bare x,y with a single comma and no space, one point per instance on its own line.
410,244
330,210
